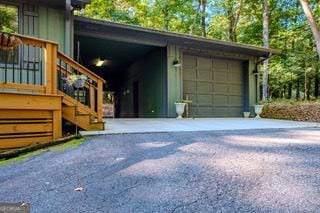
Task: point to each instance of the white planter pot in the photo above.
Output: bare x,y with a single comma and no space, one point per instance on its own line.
246,114
180,109
258,110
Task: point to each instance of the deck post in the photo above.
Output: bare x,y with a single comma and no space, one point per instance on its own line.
51,71
100,101
57,124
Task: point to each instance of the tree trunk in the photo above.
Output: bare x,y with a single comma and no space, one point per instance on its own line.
298,90
195,18
312,23
308,88
316,85
203,18
165,11
290,90
305,86
234,17
265,44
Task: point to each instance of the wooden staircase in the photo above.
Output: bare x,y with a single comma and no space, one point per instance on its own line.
87,114
32,113
79,114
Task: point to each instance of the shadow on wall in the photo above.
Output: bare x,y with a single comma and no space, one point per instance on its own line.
150,73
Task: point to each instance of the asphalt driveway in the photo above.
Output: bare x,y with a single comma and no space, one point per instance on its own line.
217,171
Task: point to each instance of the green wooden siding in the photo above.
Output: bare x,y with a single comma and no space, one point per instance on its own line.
175,86
52,26
174,78
150,72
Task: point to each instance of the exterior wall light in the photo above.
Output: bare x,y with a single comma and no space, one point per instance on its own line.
176,63
100,62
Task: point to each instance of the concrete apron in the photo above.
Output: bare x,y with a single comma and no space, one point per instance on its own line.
152,125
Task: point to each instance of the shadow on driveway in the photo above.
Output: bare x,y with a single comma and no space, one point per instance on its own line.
227,171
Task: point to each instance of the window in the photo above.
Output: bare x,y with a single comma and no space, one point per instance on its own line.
9,23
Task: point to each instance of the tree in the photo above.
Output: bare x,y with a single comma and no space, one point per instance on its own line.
203,18
295,73
8,19
312,23
195,17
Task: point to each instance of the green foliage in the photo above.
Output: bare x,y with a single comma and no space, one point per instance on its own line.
233,20
8,19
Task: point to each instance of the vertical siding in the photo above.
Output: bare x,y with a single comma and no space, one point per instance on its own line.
174,78
150,71
52,26
253,89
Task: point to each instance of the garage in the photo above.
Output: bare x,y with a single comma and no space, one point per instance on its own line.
215,85
148,70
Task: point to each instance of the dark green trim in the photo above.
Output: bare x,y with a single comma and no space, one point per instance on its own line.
136,33
245,70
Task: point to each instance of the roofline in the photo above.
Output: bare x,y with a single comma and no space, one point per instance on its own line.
264,50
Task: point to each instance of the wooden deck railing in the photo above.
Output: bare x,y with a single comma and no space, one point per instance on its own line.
91,94
31,66
41,55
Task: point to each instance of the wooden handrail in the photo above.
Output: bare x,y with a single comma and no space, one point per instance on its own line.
67,72
98,86
80,68
38,42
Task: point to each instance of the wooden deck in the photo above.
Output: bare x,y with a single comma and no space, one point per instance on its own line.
33,114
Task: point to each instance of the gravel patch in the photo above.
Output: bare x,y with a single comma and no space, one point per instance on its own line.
217,171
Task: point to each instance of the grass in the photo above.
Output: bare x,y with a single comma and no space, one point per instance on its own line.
23,157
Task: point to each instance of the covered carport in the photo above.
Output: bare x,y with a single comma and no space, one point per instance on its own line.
135,71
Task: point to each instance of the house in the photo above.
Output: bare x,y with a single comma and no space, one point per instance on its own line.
148,70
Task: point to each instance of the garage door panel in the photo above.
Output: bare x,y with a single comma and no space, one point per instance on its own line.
193,111
204,87
235,77
235,101
189,86
220,112
189,61
220,64
204,111
220,100
204,100
236,89
235,111
204,63
234,66
220,77
220,88
189,74
205,75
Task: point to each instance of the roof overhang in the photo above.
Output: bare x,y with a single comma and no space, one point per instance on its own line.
129,33
62,3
